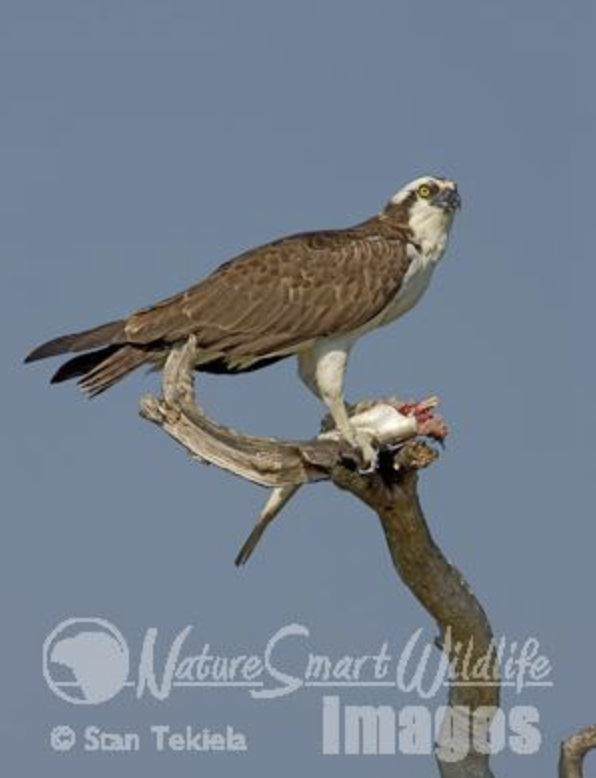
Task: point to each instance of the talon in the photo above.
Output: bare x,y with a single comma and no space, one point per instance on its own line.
372,465
363,443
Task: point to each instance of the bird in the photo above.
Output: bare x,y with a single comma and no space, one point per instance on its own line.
311,295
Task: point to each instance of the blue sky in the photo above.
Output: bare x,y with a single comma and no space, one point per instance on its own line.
142,144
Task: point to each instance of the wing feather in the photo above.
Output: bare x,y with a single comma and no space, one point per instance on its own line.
279,296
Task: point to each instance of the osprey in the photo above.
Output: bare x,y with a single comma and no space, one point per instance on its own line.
311,295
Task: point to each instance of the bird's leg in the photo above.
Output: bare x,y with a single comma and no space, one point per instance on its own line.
357,438
323,369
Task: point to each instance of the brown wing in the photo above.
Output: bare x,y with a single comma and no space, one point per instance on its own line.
276,297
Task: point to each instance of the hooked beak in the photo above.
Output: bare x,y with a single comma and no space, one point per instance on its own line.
448,199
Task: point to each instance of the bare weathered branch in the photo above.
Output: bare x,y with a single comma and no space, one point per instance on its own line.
574,750
392,492
278,499
262,460
441,589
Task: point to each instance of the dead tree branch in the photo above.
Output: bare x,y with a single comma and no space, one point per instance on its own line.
573,752
443,592
391,491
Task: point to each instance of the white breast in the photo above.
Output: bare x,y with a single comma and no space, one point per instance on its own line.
414,285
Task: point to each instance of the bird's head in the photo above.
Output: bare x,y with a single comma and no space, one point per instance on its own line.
428,195
427,206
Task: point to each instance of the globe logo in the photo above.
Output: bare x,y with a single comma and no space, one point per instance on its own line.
85,661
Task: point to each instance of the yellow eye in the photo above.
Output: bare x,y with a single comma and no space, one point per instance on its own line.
424,191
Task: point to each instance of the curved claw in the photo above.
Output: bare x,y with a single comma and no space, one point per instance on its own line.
372,466
362,441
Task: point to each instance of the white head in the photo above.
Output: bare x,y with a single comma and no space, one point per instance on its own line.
430,204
